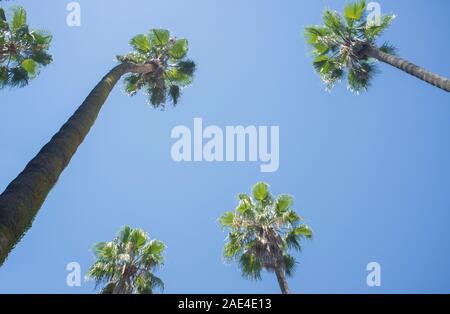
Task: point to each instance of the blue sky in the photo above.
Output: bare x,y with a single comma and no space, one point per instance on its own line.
369,173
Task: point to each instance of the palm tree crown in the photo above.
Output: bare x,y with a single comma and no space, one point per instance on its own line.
261,231
126,264
22,50
168,55
338,46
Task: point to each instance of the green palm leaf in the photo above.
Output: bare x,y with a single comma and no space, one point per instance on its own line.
19,19
289,262
30,66
353,12
159,37
179,49
260,191
174,93
227,219
141,43
251,267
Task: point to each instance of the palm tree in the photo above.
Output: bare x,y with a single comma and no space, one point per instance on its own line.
23,51
262,229
126,264
347,46
158,64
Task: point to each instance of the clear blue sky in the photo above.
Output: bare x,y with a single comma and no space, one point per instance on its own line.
369,173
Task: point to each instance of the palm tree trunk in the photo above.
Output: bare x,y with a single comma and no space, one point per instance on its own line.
279,271
23,197
120,288
410,68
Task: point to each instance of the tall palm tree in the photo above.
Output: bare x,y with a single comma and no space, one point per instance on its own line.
158,64
126,264
347,46
262,229
23,51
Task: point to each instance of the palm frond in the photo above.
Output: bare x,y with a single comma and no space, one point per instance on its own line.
388,48
260,191
303,231
18,77
179,49
186,67
359,77
141,43
227,219
289,264
283,203
333,22
354,12
293,241
19,18
124,234
174,93
251,267
175,76
156,283
373,30
159,37
137,238
234,245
